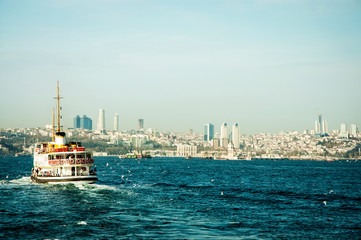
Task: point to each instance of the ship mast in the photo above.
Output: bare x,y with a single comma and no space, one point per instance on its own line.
53,124
58,110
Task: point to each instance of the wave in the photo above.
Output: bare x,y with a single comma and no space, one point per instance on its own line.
188,186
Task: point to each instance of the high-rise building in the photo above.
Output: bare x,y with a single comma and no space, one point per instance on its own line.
116,122
321,128
76,122
208,132
343,131
82,122
317,127
318,123
101,120
353,129
224,135
140,124
324,128
343,128
235,135
86,123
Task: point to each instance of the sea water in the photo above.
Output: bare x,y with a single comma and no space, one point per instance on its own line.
175,198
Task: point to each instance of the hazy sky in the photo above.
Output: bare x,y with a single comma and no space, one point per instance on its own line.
269,65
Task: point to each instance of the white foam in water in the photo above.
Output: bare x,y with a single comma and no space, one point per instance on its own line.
95,187
82,223
23,180
3,182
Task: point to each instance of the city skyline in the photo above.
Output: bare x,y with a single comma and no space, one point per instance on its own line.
179,65
209,132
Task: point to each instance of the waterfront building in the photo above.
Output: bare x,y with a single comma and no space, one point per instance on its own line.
101,121
86,123
208,132
224,135
186,150
76,122
116,122
235,135
140,124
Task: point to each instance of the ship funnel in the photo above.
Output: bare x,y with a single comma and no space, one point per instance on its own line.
60,138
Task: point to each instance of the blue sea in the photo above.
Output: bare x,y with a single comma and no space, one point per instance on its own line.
175,198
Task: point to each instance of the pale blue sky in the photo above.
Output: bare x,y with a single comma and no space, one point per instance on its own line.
269,65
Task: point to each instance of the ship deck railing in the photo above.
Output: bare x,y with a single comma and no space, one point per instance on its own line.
60,150
47,174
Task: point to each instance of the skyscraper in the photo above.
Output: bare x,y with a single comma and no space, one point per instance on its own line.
321,128
324,127
101,120
343,128
343,131
318,123
224,135
208,132
140,124
76,122
353,129
116,122
86,123
83,122
235,135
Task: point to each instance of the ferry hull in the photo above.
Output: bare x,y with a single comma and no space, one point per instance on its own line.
71,179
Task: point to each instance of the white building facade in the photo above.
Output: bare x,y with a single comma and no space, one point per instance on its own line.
185,150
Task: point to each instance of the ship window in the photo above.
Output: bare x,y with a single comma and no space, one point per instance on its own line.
88,155
80,156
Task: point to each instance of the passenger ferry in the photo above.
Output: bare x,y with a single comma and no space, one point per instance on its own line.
60,161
